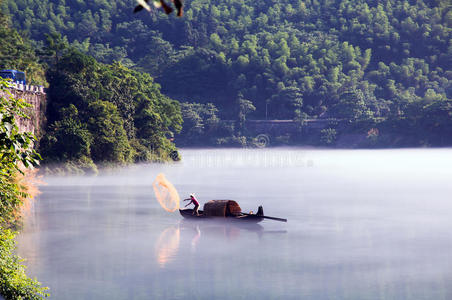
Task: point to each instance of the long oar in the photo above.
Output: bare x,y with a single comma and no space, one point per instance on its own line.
266,217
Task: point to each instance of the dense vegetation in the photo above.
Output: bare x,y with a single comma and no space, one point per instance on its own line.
17,53
15,155
293,60
106,114
121,110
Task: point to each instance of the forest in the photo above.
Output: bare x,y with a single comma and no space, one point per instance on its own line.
383,65
106,114
97,114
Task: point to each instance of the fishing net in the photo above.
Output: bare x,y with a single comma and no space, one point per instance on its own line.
166,193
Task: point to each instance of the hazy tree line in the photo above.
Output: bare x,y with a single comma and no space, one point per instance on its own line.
385,64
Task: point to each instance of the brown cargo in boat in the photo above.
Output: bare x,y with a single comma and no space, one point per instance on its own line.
221,208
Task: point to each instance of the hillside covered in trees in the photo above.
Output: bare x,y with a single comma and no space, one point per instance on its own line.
96,113
17,52
385,64
106,114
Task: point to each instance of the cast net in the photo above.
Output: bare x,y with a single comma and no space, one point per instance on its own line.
166,193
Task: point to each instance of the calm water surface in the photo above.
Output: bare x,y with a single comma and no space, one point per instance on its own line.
362,225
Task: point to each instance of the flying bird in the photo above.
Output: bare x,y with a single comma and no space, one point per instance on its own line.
142,4
179,6
168,9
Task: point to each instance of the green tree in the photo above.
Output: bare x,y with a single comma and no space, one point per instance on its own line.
245,108
352,107
126,117
328,136
68,138
108,131
55,46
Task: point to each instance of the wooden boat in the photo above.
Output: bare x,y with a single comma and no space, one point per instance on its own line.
227,210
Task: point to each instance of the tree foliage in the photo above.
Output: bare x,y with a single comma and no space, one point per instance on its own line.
16,150
16,52
15,153
294,55
290,59
106,113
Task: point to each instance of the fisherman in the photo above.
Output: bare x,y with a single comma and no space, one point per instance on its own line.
195,202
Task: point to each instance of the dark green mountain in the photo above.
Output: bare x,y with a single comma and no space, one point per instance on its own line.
361,59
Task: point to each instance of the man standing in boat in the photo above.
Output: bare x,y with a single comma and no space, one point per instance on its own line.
195,202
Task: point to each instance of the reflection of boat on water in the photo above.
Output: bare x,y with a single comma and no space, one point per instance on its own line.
219,229
227,210
229,230
191,232
211,227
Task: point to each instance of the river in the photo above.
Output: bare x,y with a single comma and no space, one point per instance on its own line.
362,224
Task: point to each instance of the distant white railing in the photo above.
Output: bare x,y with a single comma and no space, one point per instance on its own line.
28,88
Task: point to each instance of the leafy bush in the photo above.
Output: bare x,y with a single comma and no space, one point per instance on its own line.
233,141
14,283
16,150
15,153
328,136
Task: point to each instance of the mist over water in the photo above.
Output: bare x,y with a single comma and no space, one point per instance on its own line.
362,224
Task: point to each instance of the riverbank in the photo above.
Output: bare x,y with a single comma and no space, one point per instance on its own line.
14,282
